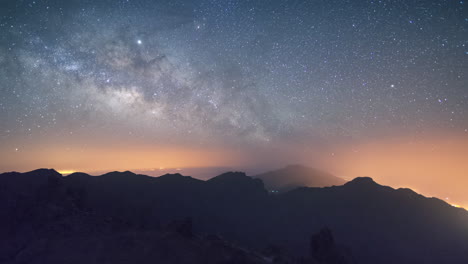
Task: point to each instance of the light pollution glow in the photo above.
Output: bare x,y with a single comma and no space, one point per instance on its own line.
436,166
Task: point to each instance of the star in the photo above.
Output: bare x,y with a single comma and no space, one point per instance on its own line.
228,75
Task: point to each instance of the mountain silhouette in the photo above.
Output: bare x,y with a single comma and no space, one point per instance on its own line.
358,222
294,176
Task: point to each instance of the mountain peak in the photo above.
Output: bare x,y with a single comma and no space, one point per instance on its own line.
229,176
172,175
362,181
44,172
77,175
175,178
119,173
237,180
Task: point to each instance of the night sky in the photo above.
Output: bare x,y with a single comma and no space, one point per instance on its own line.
375,88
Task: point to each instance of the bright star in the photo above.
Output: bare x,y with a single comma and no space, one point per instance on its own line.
139,42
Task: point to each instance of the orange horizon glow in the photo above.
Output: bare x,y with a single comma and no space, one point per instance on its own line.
435,166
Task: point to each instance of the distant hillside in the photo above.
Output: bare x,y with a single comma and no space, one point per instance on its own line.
44,213
294,176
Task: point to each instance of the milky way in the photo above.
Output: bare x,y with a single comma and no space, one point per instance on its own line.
244,75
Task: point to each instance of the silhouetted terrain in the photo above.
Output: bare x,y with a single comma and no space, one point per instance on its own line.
294,176
121,217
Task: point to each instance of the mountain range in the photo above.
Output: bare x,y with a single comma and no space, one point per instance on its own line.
122,217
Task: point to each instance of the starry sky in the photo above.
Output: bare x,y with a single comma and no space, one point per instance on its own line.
375,88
